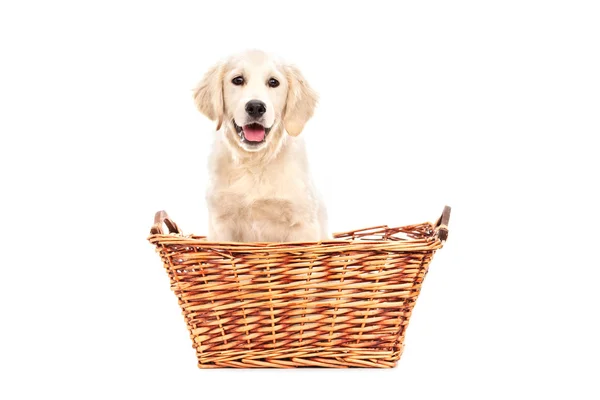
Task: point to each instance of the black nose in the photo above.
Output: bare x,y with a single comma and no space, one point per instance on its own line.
256,108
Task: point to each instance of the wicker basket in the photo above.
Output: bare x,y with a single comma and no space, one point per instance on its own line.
340,303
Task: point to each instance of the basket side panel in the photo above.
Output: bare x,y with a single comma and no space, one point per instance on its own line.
292,309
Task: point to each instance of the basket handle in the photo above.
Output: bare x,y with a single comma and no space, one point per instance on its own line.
441,225
160,218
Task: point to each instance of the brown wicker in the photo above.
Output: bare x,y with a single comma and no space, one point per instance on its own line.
339,303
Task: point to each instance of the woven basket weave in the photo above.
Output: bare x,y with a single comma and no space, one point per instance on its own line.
340,303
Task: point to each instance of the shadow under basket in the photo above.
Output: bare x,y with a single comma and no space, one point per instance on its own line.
339,303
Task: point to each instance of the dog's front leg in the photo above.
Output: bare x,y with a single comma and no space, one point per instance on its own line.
304,232
222,230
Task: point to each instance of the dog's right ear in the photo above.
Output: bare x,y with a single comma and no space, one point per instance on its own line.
208,95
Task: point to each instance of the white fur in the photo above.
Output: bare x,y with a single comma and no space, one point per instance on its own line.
260,193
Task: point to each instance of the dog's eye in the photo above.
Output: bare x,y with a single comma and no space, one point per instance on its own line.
273,82
238,80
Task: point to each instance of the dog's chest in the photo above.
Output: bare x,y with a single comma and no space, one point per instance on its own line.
259,195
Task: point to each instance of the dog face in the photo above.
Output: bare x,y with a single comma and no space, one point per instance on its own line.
254,91
254,97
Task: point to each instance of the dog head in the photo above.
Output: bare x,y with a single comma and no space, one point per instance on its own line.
254,98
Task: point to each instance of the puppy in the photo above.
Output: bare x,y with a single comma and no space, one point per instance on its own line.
260,187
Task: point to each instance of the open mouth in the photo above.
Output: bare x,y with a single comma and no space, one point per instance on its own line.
252,134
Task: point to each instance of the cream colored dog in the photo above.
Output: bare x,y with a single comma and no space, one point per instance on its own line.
261,189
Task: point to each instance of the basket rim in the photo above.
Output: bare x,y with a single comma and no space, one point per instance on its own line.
436,235
337,245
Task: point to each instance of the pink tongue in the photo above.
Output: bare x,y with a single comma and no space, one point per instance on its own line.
254,134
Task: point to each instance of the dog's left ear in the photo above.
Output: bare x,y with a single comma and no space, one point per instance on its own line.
300,104
208,95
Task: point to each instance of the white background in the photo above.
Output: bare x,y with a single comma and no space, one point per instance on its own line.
490,107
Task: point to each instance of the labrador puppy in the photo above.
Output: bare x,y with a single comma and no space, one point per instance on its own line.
260,186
